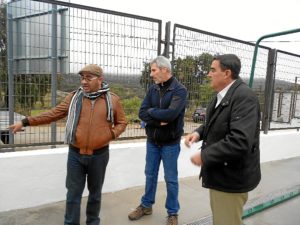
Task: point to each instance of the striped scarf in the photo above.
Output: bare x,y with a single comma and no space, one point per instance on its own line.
75,109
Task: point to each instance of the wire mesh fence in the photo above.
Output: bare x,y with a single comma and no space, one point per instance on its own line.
48,42
286,104
192,56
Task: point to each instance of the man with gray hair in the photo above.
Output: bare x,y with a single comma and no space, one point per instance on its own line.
163,112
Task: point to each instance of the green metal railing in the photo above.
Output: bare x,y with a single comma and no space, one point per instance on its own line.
256,49
260,204
270,203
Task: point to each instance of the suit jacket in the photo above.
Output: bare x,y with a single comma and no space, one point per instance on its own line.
230,148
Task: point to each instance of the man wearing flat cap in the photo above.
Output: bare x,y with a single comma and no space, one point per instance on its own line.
95,116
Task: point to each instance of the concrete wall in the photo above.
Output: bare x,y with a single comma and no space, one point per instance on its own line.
37,177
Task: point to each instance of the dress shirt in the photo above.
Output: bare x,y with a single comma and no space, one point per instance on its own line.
222,93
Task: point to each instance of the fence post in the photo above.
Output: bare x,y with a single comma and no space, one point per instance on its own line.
167,41
294,95
10,74
53,67
257,45
269,90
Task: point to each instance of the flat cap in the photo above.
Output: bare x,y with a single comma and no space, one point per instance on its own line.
92,69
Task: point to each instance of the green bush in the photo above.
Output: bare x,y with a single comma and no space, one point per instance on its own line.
131,108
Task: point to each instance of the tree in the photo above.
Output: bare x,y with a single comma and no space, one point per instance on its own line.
29,89
145,79
190,71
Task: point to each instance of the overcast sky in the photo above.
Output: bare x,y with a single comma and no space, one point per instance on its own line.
245,20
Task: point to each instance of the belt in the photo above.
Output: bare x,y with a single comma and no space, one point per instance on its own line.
98,151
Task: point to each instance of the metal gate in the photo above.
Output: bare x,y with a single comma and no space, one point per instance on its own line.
50,41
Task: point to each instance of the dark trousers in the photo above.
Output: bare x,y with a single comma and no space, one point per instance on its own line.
79,169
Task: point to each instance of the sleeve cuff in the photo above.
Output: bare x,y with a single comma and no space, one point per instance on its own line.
25,122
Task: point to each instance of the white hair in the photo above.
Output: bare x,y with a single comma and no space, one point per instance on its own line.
162,62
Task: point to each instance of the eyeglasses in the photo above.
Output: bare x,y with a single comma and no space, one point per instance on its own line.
88,78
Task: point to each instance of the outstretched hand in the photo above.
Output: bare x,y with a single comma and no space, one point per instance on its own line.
16,127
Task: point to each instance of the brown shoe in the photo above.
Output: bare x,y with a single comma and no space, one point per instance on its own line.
139,212
172,220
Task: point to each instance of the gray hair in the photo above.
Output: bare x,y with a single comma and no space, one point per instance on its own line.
162,62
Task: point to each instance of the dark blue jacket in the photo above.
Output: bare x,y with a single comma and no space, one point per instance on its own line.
168,107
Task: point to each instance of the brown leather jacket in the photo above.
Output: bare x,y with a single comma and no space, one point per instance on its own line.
93,130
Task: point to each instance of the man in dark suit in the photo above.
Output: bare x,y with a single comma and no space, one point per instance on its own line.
230,155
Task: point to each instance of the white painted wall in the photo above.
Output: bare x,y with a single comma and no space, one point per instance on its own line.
37,177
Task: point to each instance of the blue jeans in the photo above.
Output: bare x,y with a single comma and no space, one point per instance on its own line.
79,169
168,154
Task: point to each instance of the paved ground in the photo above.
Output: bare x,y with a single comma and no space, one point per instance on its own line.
193,198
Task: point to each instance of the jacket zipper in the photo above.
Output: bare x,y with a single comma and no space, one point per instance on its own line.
91,116
160,98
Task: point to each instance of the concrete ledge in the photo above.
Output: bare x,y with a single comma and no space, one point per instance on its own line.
33,178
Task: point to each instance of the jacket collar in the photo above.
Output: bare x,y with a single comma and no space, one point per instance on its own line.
212,112
225,101
171,87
